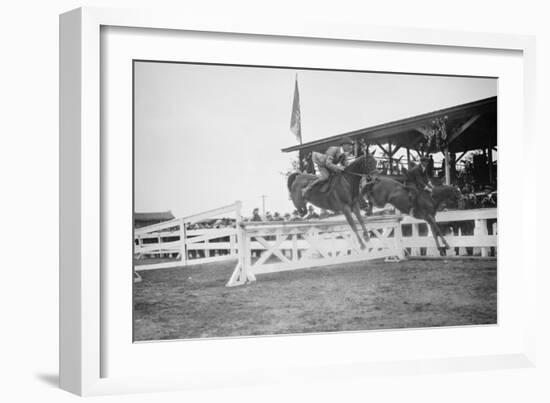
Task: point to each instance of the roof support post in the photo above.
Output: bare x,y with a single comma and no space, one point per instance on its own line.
390,160
447,166
490,162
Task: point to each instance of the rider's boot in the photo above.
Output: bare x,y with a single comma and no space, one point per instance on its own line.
306,190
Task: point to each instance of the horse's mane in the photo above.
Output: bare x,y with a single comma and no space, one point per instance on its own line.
358,164
442,193
390,180
443,189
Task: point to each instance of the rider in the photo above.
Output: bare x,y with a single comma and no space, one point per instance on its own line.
332,160
417,180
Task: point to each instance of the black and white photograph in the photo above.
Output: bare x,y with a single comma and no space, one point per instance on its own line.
212,201
274,201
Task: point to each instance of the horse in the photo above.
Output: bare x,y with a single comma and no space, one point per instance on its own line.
382,191
446,193
343,193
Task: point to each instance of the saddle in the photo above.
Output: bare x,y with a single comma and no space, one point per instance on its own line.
326,186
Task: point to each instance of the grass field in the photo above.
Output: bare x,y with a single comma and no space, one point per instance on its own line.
193,302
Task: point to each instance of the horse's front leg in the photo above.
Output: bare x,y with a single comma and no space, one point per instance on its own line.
349,218
436,233
370,202
440,234
357,212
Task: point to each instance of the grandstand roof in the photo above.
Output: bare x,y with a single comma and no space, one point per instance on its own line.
471,126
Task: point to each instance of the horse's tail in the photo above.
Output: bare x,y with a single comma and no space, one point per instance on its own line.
291,179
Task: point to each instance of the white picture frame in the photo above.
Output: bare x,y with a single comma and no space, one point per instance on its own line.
82,308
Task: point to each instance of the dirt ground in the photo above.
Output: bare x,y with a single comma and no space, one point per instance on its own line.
193,302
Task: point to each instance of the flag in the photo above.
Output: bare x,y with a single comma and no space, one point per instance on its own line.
295,119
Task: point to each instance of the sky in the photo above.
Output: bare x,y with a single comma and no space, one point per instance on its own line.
206,136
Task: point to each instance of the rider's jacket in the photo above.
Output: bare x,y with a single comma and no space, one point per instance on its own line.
332,157
418,177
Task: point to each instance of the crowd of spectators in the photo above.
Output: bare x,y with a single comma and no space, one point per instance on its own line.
312,214
212,224
482,198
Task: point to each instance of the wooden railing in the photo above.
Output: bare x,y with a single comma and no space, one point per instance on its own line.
468,232
180,246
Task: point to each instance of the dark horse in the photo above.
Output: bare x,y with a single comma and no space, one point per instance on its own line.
382,191
343,193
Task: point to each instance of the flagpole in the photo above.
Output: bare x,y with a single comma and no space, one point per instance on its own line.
296,78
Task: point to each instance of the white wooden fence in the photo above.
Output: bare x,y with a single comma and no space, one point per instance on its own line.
180,246
482,239
268,247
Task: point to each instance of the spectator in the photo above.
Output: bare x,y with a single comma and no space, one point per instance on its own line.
277,216
256,215
452,166
430,167
268,216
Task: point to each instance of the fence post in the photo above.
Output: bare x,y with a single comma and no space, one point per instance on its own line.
398,239
159,243
241,274
450,239
232,248
183,242
140,246
430,250
480,229
414,236
461,250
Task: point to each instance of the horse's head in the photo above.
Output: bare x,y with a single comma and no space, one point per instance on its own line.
457,192
451,196
362,165
459,198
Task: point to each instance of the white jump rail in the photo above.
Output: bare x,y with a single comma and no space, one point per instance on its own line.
298,245
188,246
479,239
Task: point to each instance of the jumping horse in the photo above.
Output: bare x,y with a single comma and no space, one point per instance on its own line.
343,194
382,191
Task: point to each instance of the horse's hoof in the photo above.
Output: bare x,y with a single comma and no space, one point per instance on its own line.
363,246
